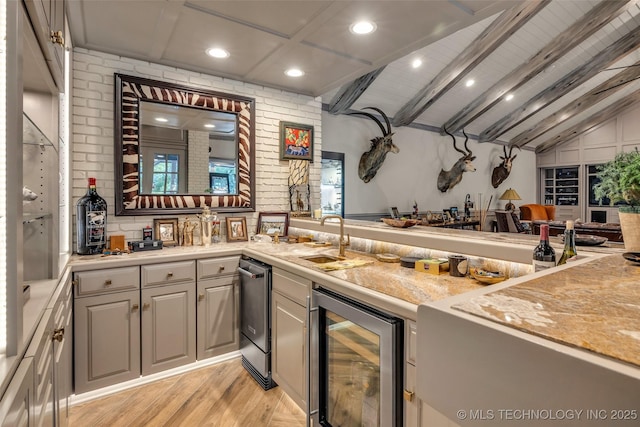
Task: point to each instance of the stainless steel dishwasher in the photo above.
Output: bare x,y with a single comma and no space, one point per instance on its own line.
255,320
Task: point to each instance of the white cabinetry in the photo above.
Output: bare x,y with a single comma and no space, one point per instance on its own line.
289,333
62,355
218,306
107,327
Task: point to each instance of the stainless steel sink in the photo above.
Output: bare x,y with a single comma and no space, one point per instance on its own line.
322,258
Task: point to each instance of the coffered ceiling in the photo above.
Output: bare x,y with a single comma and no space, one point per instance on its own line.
559,59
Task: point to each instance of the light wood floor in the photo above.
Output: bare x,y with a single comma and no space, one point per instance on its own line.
223,395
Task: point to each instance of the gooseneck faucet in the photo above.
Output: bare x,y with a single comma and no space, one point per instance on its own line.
343,243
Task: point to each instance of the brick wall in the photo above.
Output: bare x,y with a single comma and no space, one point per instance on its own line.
198,161
93,129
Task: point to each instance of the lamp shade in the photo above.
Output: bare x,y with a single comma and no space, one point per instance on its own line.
510,194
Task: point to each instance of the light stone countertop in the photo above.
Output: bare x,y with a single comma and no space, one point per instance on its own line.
593,306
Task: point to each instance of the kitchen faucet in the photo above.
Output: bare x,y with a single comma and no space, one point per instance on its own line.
343,243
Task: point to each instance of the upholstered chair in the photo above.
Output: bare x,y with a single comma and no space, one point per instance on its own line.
535,212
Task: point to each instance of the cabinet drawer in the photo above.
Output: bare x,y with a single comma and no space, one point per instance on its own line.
107,280
169,273
291,285
215,267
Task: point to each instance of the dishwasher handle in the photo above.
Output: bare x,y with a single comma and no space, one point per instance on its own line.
249,274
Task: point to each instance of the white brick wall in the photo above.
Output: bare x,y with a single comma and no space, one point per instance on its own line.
198,161
93,128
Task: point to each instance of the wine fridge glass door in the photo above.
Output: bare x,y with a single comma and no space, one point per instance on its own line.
359,366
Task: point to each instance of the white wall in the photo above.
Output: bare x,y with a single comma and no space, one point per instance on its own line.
93,128
413,172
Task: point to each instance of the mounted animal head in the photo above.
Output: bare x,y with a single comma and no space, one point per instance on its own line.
449,179
371,161
502,171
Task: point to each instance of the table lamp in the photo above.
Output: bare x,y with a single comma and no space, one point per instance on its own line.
510,195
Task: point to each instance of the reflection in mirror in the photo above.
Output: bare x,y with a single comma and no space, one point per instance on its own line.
200,151
183,149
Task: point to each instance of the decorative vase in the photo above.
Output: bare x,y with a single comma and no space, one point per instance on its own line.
630,224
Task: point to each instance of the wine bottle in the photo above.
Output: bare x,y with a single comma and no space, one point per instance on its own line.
91,222
569,244
543,255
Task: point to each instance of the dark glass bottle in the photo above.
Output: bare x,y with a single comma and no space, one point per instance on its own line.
91,221
569,244
543,255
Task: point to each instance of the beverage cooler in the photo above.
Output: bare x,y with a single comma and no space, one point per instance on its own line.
356,362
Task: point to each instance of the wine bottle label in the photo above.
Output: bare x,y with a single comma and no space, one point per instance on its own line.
542,265
95,223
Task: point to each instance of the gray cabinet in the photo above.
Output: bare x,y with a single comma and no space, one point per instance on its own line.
47,20
41,351
289,333
16,406
107,327
218,306
168,327
168,322
62,355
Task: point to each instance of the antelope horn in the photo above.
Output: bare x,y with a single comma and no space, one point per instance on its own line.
384,116
510,150
504,149
465,142
372,117
454,142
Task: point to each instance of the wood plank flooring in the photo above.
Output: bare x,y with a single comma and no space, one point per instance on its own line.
222,395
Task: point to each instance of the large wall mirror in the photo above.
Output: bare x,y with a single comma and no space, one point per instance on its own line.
178,148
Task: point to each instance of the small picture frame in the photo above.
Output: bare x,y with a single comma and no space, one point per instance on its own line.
237,229
166,229
394,212
296,141
270,223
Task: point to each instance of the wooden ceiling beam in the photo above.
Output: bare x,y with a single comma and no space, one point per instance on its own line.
491,38
600,117
349,93
613,53
577,106
603,13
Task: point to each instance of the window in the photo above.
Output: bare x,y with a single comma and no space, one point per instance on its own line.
165,173
222,176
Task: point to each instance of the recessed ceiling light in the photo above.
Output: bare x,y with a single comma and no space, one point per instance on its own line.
217,52
294,72
416,63
209,126
470,83
509,97
161,120
362,27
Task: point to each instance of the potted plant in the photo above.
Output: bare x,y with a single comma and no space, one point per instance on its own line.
620,182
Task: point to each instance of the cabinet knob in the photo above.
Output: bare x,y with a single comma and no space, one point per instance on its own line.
221,268
200,297
107,282
74,282
58,334
57,38
169,274
145,306
408,395
135,307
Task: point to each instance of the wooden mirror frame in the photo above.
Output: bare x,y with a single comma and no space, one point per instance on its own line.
129,91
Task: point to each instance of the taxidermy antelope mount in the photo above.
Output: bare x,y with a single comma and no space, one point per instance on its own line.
449,179
371,161
502,171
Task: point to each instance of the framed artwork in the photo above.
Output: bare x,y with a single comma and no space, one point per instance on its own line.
271,223
296,141
166,229
236,229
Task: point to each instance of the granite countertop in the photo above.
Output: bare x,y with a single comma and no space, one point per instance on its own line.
593,306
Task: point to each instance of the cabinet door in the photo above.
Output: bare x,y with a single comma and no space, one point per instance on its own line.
168,327
41,350
218,311
62,357
107,340
288,363
16,405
